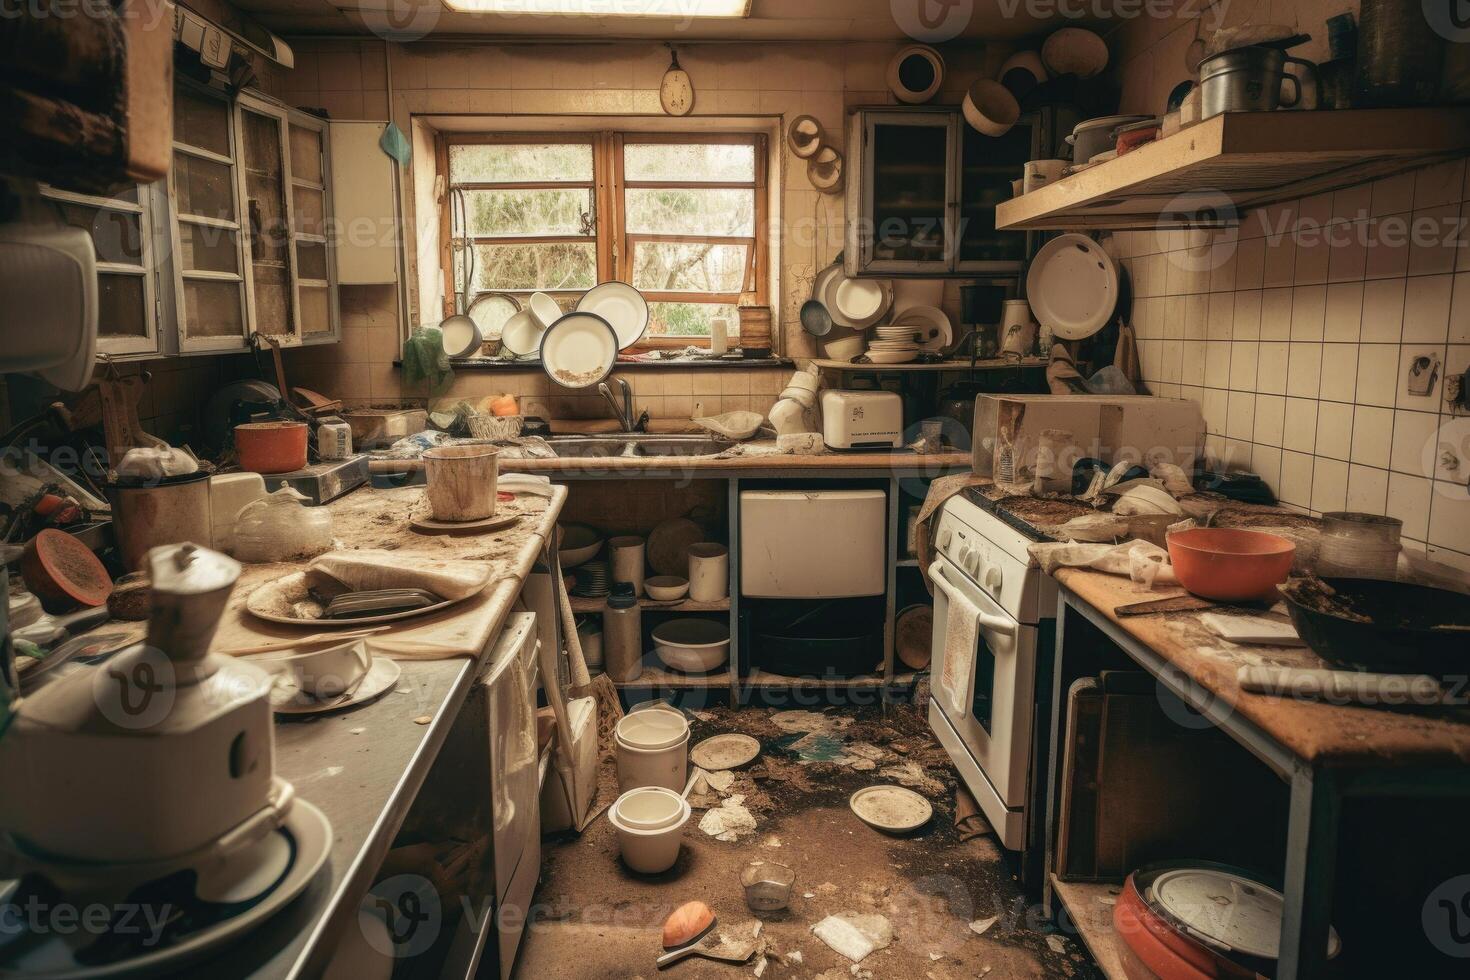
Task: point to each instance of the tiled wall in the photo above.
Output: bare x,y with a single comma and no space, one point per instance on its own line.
1297,332
350,80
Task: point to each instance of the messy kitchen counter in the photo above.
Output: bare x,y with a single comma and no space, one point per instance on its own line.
363,768
1325,749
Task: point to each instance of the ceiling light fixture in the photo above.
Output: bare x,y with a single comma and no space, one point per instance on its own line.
670,9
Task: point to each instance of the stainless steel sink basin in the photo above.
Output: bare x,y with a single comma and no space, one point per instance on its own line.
636,446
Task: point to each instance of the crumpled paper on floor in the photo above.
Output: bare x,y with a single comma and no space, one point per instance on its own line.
729,820
854,936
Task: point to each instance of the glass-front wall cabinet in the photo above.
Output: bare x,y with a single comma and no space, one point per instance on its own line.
922,191
235,241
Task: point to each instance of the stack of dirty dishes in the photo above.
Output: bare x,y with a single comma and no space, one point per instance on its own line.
594,580
895,344
653,766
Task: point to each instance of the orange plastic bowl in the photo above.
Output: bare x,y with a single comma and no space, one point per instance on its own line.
1231,565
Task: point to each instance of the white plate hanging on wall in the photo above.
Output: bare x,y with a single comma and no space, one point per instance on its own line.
579,350
1072,286
805,136
676,93
622,306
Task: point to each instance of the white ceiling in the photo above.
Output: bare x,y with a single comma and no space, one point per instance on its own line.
771,20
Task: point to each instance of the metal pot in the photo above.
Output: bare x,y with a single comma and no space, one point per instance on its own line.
1250,79
1400,53
173,511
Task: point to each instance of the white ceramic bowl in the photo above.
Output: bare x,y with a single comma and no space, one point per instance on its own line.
649,808
991,108
327,673
666,588
650,852
801,396
804,379
843,344
545,310
579,545
695,646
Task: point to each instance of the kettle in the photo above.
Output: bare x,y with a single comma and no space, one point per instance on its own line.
173,743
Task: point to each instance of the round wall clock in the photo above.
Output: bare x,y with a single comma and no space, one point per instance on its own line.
676,94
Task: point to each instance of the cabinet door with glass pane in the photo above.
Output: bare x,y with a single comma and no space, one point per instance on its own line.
987,167
308,162
123,230
901,211
208,261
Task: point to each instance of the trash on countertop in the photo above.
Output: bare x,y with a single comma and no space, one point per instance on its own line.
149,463
854,936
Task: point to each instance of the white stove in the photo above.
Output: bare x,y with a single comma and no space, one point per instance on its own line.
983,709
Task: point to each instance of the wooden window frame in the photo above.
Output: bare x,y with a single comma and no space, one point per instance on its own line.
613,243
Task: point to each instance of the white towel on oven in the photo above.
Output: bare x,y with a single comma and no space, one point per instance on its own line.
961,636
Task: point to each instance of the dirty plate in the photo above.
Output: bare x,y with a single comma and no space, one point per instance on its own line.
891,809
283,601
724,752
286,697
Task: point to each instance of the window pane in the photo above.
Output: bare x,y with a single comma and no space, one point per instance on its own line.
311,260
513,268
669,267
205,249
212,309
201,121
500,213
520,162
117,236
314,316
306,155
203,187
691,161
689,319
120,306
691,212
309,211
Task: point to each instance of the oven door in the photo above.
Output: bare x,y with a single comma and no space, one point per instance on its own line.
985,696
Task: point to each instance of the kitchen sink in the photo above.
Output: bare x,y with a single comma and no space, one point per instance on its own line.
636,446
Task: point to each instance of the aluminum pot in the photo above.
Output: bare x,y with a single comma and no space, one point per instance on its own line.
1250,79
171,511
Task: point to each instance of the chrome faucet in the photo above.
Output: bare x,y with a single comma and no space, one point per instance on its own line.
624,412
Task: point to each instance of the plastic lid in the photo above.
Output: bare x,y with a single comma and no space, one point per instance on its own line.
622,596
651,730
1230,910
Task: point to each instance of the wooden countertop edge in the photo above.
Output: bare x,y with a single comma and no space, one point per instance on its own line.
898,462
1334,736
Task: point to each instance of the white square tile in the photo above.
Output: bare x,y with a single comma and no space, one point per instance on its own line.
1247,322
1220,323
1353,203
1421,365
1453,559
1196,312
1427,309
1296,479
1314,211
1388,246
1243,358
1300,432
1193,366
1449,519
1266,463
1214,407
1372,436
1304,371
1334,430
1279,261
1250,263
1237,454
1151,359
1367,490
1173,356
1217,364
1344,317
1408,500
1437,232
1313,257
1271,367
1452,450
1240,422
1215,452
1339,372
1383,311
1349,244
1414,443
1276,314
1308,312
1393,195
1329,485
1440,184
1270,420
1460,310
1377,374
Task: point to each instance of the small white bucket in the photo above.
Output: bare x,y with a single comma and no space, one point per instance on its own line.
650,852
667,766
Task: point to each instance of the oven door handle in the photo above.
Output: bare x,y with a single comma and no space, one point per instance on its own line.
993,624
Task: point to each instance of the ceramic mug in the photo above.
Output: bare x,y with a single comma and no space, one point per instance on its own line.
709,572
1039,173
329,672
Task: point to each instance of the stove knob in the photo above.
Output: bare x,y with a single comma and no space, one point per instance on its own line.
994,578
961,556
975,564
945,537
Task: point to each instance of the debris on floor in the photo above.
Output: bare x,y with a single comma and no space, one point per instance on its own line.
981,926
853,935
729,820
814,722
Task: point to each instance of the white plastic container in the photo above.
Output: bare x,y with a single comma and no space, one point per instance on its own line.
709,572
649,808
650,852
654,752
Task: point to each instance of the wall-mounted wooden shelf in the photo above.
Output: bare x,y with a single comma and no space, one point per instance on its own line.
658,677
988,364
1209,174
587,606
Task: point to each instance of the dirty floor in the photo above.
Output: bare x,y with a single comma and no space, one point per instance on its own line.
595,919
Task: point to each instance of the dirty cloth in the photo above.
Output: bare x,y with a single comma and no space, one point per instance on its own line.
855,936
1144,563
939,493
372,569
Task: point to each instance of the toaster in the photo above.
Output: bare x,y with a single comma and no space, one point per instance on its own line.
862,420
